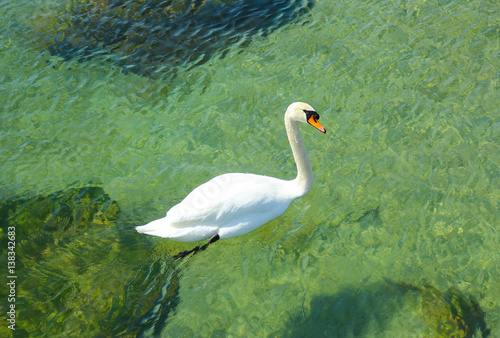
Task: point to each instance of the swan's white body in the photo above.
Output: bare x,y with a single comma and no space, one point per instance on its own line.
232,205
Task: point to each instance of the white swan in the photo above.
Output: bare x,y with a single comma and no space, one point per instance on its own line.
232,205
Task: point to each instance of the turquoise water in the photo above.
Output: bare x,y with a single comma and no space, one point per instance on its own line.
406,178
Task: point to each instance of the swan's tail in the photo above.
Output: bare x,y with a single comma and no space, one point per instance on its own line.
142,229
158,228
162,228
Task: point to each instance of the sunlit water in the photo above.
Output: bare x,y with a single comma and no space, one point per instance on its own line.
406,178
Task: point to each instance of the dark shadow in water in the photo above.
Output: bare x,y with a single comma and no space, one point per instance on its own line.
370,311
155,36
347,313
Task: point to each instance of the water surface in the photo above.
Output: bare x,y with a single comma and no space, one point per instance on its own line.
406,179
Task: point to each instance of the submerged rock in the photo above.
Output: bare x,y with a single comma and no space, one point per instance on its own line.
450,314
42,220
154,36
77,267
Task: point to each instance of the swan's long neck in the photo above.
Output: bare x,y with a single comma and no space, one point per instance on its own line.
304,179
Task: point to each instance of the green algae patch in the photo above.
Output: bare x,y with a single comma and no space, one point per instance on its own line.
42,220
449,313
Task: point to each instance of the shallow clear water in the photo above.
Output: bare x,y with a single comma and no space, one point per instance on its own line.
406,178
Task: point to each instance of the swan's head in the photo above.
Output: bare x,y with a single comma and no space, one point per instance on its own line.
302,112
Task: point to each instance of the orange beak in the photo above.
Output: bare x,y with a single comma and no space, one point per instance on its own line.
313,122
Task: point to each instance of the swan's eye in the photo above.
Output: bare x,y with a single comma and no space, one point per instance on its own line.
311,114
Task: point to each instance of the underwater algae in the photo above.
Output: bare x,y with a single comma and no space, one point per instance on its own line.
44,219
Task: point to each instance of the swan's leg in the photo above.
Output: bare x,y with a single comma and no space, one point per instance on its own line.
183,254
212,239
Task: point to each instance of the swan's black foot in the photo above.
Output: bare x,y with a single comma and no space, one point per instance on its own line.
183,254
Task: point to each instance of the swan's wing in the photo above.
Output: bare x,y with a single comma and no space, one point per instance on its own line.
230,197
